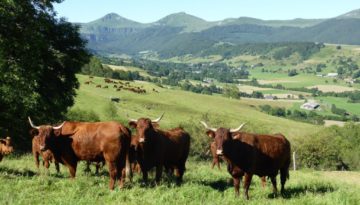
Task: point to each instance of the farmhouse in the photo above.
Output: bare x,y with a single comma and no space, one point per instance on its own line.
310,106
332,75
269,97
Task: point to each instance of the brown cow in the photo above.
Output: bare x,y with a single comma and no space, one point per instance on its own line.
248,154
5,147
158,148
74,141
216,161
47,156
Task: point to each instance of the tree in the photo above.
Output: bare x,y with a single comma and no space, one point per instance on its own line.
231,91
39,56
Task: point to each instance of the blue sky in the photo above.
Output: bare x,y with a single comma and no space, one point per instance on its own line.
146,11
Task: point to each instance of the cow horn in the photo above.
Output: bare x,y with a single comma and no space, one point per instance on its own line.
131,120
207,126
158,120
237,129
32,125
60,126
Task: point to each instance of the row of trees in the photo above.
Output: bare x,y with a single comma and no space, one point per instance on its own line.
96,68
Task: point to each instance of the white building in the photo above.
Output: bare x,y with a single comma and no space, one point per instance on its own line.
310,106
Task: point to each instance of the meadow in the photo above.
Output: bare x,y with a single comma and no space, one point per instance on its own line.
21,183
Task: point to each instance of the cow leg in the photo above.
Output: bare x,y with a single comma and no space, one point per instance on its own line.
97,165
145,176
87,168
158,174
236,181
37,162
284,174
273,181
247,182
72,169
121,175
57,167
113,174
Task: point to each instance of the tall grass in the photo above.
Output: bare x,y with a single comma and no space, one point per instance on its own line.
20,183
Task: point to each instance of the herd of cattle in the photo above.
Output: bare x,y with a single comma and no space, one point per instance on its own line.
118,86
245,154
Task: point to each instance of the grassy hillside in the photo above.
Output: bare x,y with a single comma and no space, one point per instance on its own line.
20,184
181,107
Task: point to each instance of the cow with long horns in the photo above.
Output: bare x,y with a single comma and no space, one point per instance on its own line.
71,142
161,149
247,154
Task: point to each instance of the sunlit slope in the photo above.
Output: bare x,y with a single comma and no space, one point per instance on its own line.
182,107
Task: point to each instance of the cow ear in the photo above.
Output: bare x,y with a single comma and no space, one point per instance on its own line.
155,125
210,133
33,132
132,124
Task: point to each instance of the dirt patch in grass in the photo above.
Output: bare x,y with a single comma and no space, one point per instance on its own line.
276,81
332,88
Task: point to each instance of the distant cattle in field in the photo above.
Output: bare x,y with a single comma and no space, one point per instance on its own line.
106,86
115,86
71,142
91,76
119,89
87,82
98,86
47,156
115,99
5,147
161,149
155,90
247,154
107,80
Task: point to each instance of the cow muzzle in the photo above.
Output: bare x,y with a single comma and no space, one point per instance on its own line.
219,152
141,140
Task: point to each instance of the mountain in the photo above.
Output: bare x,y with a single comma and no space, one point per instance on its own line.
273,23
188,22
109,23
181,33
352,14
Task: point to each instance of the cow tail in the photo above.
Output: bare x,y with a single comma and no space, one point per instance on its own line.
128,170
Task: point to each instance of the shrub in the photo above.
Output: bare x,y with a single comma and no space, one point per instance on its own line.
77,114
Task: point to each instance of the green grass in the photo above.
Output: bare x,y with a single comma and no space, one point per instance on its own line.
353,108
183,107
20,183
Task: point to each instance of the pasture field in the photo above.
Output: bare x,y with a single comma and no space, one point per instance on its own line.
182,108
353,108
21,183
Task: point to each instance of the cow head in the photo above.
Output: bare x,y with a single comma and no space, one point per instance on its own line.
145,127
6,147
220,135
46,133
